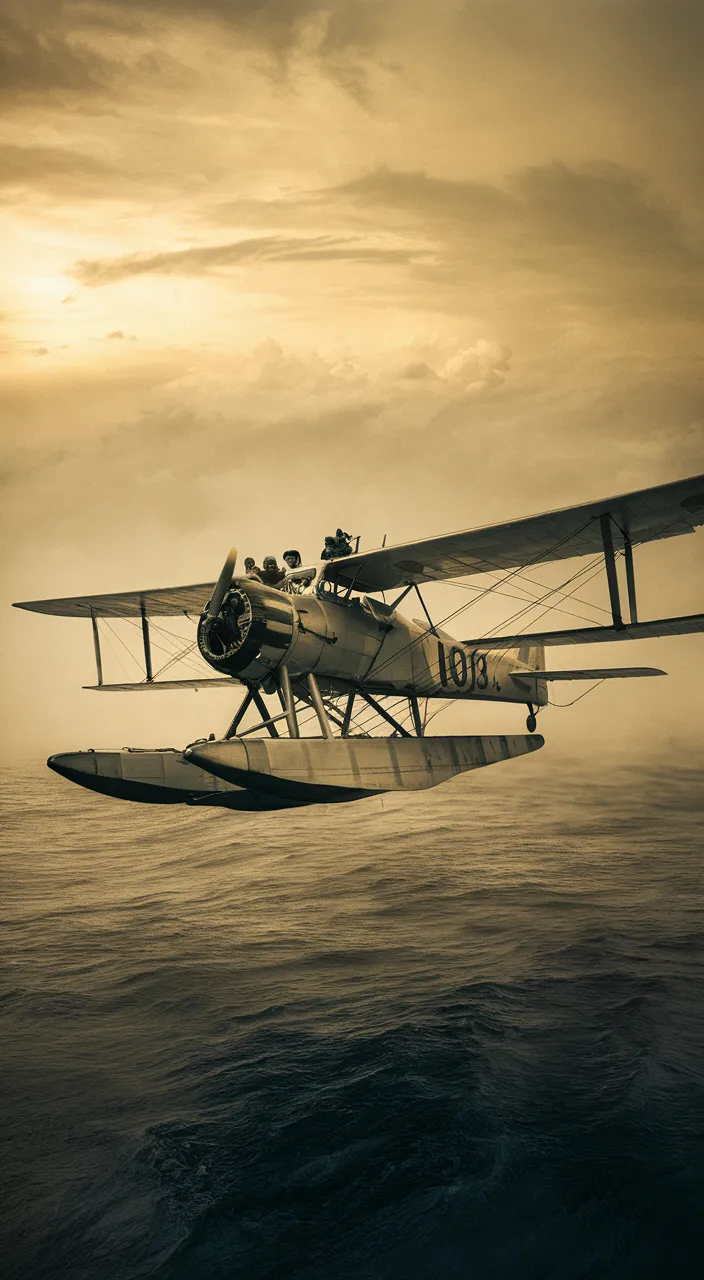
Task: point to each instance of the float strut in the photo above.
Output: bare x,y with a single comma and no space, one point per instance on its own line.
319,708
289,704
376,706
348,713
239,714
267,722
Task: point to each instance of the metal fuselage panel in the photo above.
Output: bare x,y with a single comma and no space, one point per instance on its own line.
344,642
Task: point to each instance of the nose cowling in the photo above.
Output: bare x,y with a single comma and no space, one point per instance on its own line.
251,632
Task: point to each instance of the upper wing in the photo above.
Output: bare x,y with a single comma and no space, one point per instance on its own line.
662,512
164,602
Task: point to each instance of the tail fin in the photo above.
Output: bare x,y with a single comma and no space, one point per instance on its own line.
533,654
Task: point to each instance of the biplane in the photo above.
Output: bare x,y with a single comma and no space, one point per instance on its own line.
327,645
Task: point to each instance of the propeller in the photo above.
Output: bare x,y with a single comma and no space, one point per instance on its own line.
223,583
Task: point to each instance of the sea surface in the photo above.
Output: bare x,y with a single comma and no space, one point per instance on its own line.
455,1035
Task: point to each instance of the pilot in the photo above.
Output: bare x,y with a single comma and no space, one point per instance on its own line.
293,559
270,573
251,569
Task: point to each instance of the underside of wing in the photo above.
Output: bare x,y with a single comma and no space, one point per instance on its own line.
139,685
596,635
599,673
161,602
648,514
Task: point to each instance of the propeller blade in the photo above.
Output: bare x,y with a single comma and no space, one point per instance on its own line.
223,583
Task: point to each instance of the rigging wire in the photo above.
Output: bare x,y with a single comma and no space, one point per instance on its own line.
119,640
548,608
465,586
578,699
183,654
487,591
520,584
114,652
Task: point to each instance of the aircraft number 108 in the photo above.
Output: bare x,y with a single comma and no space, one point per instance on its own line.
456,669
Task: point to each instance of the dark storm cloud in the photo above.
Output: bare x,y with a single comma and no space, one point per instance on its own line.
209,259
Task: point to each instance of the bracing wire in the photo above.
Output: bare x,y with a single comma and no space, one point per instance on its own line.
487,591
562,705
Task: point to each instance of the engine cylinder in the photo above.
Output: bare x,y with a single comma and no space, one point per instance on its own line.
251,633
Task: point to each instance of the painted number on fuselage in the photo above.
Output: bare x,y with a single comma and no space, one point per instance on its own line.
455,669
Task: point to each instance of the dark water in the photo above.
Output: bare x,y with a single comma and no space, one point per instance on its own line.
458,1035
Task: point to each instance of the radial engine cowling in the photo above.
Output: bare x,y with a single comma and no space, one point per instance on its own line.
250,635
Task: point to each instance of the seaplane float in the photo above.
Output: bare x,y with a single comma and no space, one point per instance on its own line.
326,646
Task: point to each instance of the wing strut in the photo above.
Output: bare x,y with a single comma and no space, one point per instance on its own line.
147,641
630,578
96,646
431,624
611,572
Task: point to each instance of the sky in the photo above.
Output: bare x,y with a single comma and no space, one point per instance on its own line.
274,266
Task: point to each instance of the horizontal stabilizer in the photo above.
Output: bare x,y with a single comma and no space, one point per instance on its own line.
597,635
137,685
600,673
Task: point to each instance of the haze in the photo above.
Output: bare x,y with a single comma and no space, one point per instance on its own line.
274,267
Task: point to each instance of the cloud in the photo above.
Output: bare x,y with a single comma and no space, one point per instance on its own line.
478,367
211,259
602,203
437,199
56,169
596,201
41,56
329,28
593,235
417,371
67,52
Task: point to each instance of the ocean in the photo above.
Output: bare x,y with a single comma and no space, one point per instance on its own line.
453,1035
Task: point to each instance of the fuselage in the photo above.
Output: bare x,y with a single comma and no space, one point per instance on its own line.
359,642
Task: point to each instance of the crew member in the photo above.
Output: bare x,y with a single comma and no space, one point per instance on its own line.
251,569
293,559
270,573
297,581
339,545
